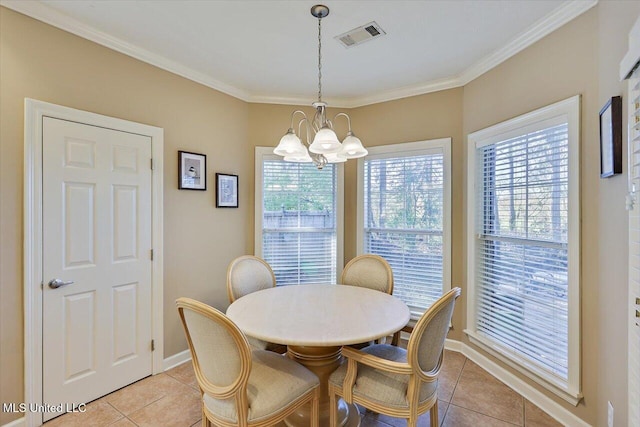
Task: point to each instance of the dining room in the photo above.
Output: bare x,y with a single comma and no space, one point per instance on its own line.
438,102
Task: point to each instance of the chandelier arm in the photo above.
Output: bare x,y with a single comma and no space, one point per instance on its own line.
329,123
308,137
318,120
344,115
294,113
319,160
306,122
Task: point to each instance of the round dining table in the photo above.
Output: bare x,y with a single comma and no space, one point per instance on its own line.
315,321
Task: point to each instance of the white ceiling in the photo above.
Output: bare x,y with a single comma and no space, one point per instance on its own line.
266,51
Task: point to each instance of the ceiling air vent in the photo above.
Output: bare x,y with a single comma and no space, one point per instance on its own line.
361,34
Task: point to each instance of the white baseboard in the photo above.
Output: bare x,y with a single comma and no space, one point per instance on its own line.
20,422
176,360
453,345
529,392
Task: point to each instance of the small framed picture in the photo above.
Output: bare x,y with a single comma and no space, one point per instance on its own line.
192,171
611,138
226,191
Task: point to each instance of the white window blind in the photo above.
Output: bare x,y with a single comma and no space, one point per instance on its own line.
405,207
522,249
298,217
522,303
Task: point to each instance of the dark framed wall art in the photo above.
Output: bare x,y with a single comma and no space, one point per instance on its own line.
226,190
192,171
611,138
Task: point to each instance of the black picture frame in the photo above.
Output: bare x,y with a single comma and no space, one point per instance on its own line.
611,138
226,190
192,171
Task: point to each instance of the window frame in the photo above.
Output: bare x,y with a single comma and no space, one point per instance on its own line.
440,145
570,110
266,153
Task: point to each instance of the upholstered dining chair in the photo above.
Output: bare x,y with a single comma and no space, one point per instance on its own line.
240,386
368,271
248,274
393,381
373,272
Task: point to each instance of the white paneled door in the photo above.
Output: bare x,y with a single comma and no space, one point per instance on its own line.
96,261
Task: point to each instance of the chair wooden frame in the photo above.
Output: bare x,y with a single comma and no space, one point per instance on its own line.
236,261
378,258
411,368
237,390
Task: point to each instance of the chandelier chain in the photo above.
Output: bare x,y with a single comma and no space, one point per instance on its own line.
319,59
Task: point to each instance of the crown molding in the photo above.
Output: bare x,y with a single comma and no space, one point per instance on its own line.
302,101
565,13
291,100
48,15
403,92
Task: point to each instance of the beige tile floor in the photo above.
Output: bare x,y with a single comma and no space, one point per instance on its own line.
469,397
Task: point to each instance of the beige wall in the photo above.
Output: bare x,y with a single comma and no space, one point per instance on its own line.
559,66
41,62
615,20
577,59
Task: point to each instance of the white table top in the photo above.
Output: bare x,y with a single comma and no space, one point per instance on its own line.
318,315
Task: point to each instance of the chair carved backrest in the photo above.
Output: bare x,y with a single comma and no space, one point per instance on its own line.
220,353
368,271
426,344
247,274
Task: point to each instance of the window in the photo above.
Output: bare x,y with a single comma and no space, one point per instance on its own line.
404,216
298,219
524,244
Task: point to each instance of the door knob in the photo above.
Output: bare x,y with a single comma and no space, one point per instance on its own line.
56,283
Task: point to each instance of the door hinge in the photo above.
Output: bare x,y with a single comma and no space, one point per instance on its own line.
153,345
151,254
151,161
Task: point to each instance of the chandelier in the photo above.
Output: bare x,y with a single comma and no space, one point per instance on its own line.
325,147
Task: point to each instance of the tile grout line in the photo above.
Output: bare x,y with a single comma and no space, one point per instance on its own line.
453,392
183,382
444,417
116,409
123,415
466,359
483,414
